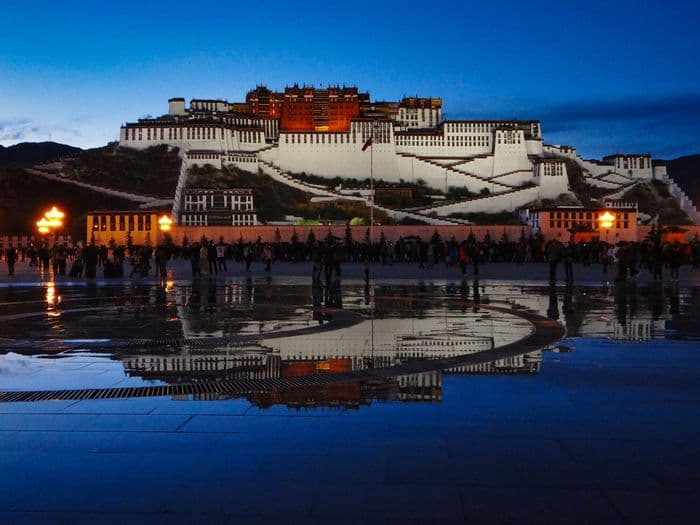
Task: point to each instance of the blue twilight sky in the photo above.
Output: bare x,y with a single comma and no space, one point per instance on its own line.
603,76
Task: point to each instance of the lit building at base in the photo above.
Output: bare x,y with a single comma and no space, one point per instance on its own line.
137,227
613,222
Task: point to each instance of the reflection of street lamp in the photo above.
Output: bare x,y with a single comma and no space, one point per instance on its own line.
606,222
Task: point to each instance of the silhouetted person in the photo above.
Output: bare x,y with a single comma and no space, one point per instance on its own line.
90,255
194,261
211,258
554,254
221,257
569,263
248,255
161,260
11,258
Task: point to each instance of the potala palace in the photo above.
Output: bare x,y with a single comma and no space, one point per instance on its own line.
504,164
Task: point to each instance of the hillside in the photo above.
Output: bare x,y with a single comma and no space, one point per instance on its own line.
686,172
152,172
654,199
29,153
25,197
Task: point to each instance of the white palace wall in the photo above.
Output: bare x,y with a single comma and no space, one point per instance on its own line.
303,152
185,137
510,152
436,176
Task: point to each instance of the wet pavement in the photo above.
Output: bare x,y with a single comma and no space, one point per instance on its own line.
599,427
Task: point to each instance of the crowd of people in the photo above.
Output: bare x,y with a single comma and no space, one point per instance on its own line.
207,258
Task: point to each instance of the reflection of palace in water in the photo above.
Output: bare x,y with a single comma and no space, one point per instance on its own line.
278,352
621,312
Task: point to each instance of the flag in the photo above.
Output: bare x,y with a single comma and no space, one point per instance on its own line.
367,144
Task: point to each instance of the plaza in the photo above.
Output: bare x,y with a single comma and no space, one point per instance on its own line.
258,398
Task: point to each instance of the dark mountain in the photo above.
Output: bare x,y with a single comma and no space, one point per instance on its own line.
25,197
686,172
28,153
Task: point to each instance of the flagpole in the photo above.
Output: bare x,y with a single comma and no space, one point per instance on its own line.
371,187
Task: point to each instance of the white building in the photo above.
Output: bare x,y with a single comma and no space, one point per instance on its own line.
218,207
504,163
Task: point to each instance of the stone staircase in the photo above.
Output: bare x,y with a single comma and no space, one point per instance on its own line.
515,198
478,180
143,200
685,203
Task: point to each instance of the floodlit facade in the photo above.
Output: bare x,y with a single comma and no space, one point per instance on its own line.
106,226
504,164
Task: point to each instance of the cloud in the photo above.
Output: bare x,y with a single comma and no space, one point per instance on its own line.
9,126
81,132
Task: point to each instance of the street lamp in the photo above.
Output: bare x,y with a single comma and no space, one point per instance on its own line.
165,223
51,221
43,226
606,222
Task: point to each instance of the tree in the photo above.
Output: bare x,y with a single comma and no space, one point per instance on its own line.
348,235
168,240
311,238
471,239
